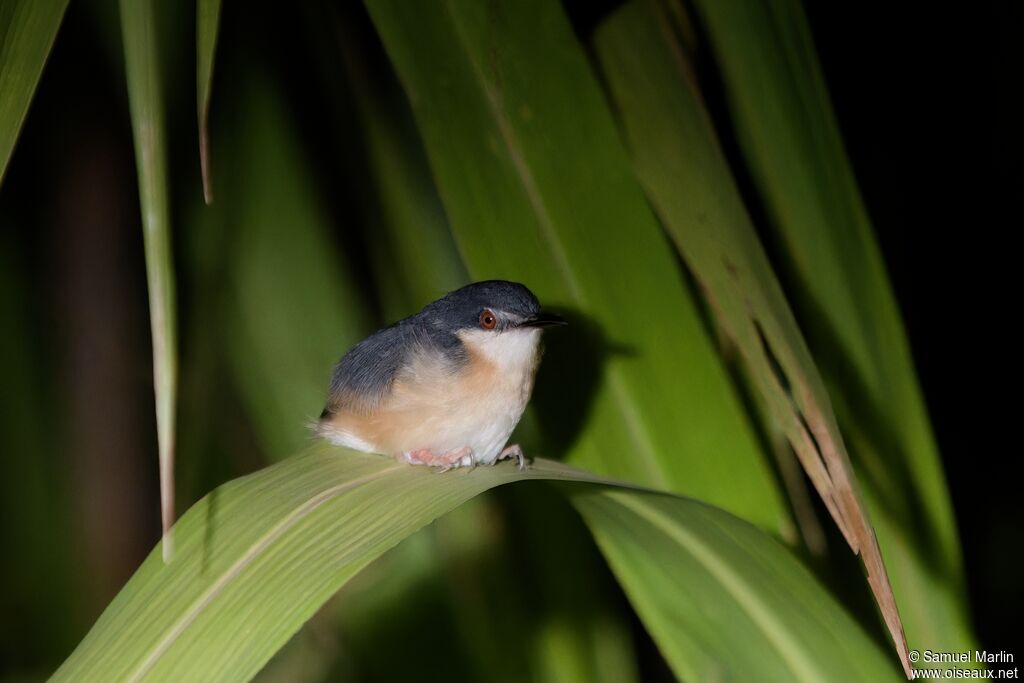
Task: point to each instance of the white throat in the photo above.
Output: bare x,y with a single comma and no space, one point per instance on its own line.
511,351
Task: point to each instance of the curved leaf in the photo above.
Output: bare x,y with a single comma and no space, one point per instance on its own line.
791,142
723,601
686,175
259,555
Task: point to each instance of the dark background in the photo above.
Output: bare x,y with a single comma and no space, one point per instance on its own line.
928,102
928,99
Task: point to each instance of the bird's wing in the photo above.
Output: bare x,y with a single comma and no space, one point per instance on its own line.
365,376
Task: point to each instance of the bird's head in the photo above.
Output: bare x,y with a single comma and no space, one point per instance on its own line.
501,319
495,306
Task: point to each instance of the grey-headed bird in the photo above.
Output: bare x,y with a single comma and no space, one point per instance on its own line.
444,387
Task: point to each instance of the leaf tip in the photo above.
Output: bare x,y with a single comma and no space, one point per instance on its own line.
167,503
168,546
204,158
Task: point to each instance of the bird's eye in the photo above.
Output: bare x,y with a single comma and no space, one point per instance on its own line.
488,320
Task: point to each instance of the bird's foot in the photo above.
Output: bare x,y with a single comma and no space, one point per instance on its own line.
514,451
459,457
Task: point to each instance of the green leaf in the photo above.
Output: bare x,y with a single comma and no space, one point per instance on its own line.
791,142
27,31
138,32
722,600
688,180
259,555
207,22
538,188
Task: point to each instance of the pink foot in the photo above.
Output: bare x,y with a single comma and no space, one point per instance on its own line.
514,451
443,462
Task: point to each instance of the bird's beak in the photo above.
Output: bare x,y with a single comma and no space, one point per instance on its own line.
544,320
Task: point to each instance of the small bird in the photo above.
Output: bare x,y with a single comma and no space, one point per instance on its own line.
444,387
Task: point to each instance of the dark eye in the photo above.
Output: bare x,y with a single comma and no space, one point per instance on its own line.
488,320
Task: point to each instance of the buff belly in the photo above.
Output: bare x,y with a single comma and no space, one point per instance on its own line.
433,407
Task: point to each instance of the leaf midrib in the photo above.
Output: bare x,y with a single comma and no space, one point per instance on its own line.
776,632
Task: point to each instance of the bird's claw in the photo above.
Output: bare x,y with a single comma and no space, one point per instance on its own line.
514,451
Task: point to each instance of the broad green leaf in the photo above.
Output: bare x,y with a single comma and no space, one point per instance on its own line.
688,180
260,554
27,31
207,22
790,140
138,32
538,189
257,557
723,601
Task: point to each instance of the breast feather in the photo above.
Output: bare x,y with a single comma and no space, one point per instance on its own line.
443,401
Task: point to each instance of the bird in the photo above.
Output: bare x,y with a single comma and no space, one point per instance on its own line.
444,387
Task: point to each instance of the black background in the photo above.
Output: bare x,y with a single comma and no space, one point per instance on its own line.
928,99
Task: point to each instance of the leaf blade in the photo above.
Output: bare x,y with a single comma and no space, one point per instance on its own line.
691,588
258,556
688,179
145,97
168,613
790,139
